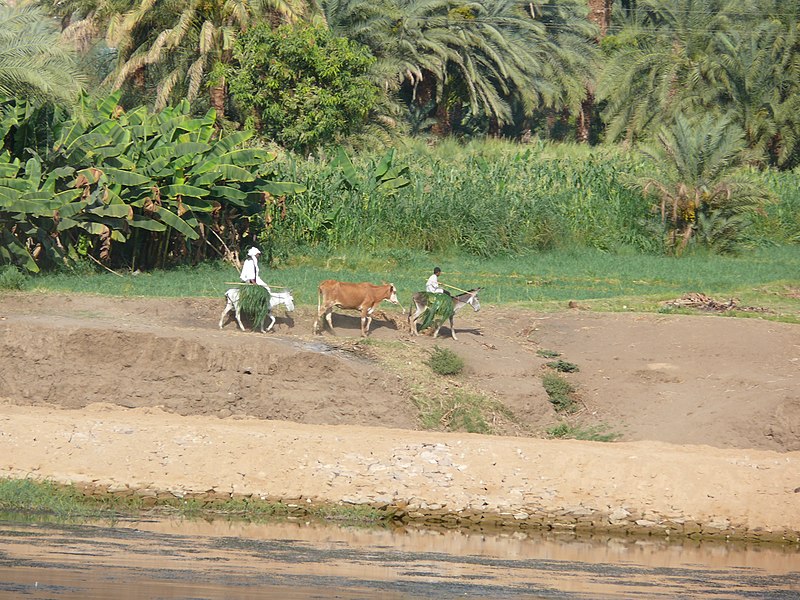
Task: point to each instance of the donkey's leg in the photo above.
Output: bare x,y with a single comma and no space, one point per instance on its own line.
413,319
238,314
271,322
452,329
228,307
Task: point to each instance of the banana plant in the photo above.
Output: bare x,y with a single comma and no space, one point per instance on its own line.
384,178
149,184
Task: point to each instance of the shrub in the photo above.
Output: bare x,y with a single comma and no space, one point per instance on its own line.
548,353
563,366
11,278
445,362
560,392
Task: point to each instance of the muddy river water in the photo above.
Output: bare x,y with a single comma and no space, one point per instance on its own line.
298,560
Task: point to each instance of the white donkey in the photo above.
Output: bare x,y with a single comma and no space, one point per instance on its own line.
275,299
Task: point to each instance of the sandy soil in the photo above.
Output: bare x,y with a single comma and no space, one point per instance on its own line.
707,393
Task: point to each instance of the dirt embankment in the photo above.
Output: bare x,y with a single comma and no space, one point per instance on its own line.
701,396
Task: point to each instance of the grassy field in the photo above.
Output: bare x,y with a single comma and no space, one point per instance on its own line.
768,278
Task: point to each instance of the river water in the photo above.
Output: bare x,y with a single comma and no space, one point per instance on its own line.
299,560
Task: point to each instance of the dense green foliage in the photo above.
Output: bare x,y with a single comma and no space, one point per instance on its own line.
733,60
703,95
490,199
157,185
34,63
302,86
472,65
11,278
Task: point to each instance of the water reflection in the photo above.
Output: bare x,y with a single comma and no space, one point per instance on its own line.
176,558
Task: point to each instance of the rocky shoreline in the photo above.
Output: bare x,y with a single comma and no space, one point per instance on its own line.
580,520
444,480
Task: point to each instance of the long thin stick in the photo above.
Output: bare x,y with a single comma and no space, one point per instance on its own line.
452,287
243,283
102,265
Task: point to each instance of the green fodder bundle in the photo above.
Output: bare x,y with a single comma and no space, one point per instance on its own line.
254,302
440,309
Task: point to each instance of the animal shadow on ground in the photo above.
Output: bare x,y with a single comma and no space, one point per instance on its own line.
280,322
380,320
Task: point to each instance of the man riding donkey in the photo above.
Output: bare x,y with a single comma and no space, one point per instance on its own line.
436,305
254,299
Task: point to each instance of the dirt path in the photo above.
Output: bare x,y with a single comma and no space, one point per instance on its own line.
712,404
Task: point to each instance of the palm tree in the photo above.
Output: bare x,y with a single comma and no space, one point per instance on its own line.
170,50
697,188
201,36
480,55
759,83
34,63
665,61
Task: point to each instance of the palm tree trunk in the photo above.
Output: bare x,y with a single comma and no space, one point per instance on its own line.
218,95
600,14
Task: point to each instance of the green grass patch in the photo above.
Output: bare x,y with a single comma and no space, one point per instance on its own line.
20,497
560,391
463,411
26,495
548,353
595,433
445,362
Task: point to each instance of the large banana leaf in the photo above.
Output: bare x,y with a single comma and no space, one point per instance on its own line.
13,251
127,178
229,193
182,189
176,222
282,188
229,142
119,211
246,157
195,204
227,172
71,209
148,224
345,165
9,170
14,183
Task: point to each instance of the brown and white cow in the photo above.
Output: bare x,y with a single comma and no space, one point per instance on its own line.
363,297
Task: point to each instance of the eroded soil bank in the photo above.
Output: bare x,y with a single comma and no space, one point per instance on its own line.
147,396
